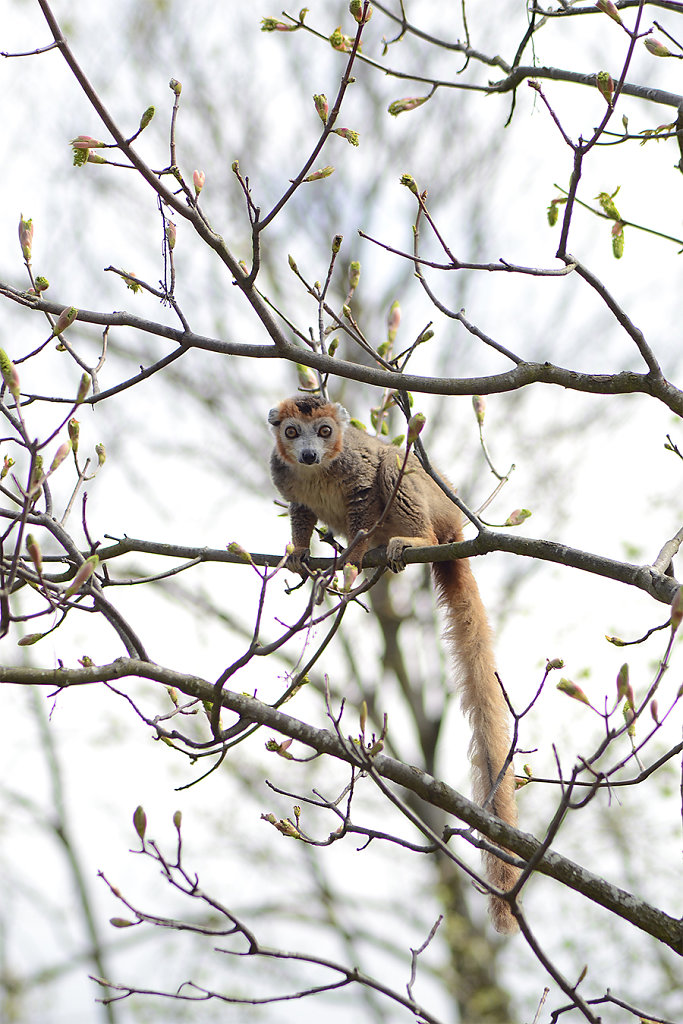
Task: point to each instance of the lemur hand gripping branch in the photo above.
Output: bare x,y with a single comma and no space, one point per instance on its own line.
332,471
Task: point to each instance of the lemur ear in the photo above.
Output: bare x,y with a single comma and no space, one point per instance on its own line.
274,416
342,415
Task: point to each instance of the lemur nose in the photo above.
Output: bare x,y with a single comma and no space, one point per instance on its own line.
308,456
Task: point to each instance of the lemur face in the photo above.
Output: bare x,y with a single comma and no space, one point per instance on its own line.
308,432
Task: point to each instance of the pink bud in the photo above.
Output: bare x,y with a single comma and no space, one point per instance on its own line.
408,103
83,575
622,682
393,320
198,179
654,711
349,134
64,320
25,236
86,142
572,690
517,517
656,47
479,406
677,609
60,455
607,7
350,575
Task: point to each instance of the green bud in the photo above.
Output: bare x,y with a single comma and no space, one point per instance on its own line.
415,425
33,548
146,118
140,822
336,243
321,106
101,454
83,388
354,274
175,86
9,375
572,690
322,172
409,182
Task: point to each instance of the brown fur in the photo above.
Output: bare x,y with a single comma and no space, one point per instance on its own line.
349,489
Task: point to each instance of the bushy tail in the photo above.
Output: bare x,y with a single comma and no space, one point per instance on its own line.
469,637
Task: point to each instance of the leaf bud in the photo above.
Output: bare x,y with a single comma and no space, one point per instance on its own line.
8,462
140,822
349,134
605,86
26,236
572,690
322,172
146,118
273,25
60,455
350,576
336,243
175,86
101,454
415,426
393,321
354,275
622,683
479,406
64,320
30,639
608,8
321,105
409,182
121,922
618,240
408,103
33,548
340,42
307,378
42,284
83,388
236,549
86,142
554,663
10,375
177,819
171,232
83,575
517,517
656,47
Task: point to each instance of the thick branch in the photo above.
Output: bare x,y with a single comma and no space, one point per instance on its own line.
522,375
645,577
625,905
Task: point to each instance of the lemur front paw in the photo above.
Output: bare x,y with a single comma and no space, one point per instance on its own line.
395,554
298,562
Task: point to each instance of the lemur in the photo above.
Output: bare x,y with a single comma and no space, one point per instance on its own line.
330,470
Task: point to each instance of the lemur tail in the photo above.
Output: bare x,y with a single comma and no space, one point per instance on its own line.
468,635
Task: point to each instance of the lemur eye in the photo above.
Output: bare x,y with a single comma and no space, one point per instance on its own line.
325,430
291,433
